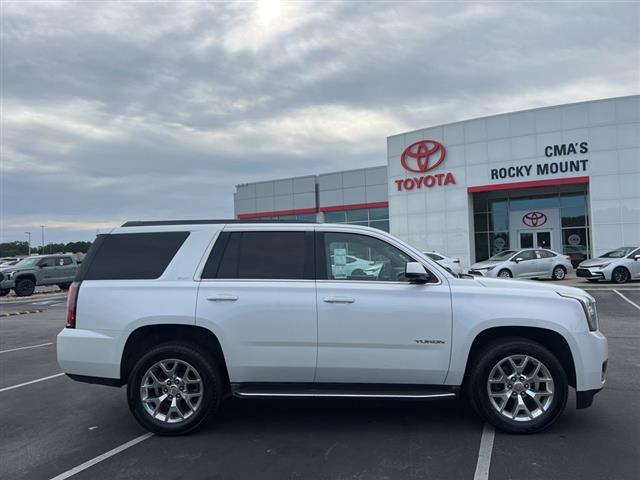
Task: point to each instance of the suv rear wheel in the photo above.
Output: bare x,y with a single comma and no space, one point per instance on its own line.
64,286
173,388
518,386
24,287
4,292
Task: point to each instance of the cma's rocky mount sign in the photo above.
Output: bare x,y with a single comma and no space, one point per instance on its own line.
548,168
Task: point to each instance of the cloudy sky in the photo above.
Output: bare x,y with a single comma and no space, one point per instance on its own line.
112,112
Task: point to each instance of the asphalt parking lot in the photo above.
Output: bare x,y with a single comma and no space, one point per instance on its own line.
53,427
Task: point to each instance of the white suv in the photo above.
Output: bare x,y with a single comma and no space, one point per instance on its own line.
187,312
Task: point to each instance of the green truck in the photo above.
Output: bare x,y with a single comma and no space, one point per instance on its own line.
24,276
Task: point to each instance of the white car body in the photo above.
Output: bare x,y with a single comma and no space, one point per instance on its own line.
352,264
451,263
323,331
619,265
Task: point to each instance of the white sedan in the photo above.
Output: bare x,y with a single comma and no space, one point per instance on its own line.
618,266
450,263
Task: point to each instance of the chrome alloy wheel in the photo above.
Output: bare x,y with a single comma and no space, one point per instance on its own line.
171,390
520,387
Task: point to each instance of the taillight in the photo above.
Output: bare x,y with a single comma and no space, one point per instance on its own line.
567,257
456,260
72,304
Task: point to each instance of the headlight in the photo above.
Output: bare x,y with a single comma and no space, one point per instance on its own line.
489,268
10,274
603,265
589,307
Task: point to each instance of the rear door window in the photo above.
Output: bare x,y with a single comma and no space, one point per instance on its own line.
133,256
261,255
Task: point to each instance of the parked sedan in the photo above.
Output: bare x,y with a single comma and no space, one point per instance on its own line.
453,264
528,263
618,266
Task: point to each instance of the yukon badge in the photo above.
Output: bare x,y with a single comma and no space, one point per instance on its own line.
430,342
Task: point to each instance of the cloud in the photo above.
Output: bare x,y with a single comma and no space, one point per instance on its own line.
113,111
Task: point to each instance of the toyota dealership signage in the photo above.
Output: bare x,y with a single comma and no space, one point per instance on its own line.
422,157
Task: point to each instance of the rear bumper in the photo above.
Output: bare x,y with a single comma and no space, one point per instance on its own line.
87,353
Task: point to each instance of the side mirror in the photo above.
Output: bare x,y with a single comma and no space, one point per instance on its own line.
416,273
518,260
636,258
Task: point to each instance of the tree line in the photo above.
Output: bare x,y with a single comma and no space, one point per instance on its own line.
21,248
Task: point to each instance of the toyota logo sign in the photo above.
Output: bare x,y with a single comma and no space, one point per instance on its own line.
423,156
534,219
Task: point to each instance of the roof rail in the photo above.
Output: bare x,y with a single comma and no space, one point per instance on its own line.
151,223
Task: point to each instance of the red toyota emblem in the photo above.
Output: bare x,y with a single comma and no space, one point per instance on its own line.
534,219
416,157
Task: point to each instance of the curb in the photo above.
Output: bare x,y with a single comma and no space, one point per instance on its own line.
33,298
24,312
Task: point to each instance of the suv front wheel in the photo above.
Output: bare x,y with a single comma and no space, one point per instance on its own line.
173,388
24,287
518,386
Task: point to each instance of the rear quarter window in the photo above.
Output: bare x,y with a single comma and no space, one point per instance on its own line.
132,256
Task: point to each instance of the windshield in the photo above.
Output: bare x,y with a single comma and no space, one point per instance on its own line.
27,262
503,255
618,252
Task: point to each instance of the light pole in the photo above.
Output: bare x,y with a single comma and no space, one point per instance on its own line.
29,241
42,227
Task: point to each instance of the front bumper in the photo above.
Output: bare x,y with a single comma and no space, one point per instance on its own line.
591,273
7,284
590,359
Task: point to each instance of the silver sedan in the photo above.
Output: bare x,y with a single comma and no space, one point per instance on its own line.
528,263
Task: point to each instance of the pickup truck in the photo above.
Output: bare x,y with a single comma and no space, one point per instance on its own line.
24,276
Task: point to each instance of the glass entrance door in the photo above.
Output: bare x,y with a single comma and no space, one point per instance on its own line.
534,238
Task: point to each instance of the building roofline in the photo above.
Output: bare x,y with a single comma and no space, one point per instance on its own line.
509,113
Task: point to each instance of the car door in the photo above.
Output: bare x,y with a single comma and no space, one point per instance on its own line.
48,270
378,328
66,269
526,266
633,264
546,262
257,293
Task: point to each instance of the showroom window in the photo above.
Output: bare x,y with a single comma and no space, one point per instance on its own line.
369,217
491,221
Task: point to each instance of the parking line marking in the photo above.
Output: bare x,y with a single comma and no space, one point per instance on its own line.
631,302
26,348
31,382
484,453
104,456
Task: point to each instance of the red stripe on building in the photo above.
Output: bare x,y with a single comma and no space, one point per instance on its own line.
354,206
531,184
299,211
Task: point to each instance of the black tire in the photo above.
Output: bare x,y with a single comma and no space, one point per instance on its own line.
559,273
620,275
4,292
24,287
64,286
492,354
505,273
207,369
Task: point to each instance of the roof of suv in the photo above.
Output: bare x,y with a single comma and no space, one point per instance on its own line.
151,223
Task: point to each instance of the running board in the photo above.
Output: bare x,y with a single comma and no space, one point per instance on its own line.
341,390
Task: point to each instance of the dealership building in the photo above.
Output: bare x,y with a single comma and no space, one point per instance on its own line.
564,177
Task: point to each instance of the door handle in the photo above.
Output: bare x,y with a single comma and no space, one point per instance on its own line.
336,299
222,297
